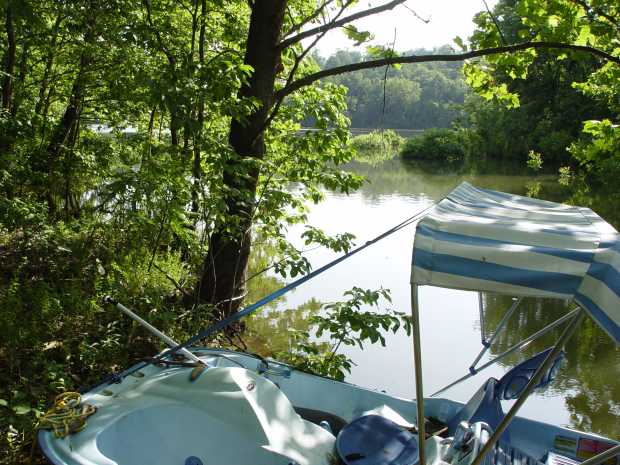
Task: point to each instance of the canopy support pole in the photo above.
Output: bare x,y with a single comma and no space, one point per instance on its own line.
417,360
487,344
481,311
514,348
607,454
531,385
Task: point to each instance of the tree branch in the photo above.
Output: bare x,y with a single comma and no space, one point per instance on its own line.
313,16
160,42
309,79
499,29
291,75
337,23
597,11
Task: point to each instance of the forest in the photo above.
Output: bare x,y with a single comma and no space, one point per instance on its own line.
425,96
146,146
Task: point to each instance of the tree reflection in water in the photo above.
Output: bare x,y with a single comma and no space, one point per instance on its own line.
590,379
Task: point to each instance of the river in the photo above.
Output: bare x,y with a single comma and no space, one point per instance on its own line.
586,393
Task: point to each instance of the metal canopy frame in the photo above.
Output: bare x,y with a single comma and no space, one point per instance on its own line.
574,317
473,370
531,385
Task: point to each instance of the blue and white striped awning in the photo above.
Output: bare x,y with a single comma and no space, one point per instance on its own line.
484,240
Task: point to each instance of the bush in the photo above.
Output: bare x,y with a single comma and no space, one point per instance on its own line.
438,145
56,334
377,145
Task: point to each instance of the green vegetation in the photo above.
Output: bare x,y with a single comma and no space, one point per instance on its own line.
415,97
344,323
447,145
377,146
145,146
561,106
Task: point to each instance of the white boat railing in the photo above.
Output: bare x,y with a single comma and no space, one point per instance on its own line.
168,340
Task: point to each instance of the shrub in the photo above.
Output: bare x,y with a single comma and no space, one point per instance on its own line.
438,145
377,145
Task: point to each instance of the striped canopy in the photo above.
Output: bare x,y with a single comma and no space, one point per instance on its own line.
483,240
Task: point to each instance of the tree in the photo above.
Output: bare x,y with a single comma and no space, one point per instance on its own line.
420,97
276,56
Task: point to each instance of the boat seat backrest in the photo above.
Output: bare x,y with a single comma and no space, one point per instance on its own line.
485,405
513,383
266,408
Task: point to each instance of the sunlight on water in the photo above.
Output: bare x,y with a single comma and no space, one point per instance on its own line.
586,393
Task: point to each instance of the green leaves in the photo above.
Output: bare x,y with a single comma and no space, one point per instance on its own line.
357,36
346,323
338,243
458,41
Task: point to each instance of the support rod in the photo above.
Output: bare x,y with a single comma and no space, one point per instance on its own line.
514,348
152,329
607,454
500,327
531,385
481,311
417,360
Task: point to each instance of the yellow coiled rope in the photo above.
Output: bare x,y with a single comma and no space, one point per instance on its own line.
67,416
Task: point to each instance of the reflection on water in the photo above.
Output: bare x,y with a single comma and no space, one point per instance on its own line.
589,381
586,394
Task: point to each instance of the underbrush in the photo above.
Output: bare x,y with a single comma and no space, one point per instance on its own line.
56,333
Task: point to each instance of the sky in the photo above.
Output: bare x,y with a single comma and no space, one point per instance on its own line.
448,19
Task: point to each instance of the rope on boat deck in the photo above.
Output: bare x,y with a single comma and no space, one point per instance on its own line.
67,415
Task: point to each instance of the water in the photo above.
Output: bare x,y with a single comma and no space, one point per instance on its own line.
586,394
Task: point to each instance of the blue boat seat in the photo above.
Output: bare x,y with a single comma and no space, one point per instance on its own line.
485,405
375,440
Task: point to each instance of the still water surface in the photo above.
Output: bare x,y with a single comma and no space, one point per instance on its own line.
586,393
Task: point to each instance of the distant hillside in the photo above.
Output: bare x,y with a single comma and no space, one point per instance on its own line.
418,96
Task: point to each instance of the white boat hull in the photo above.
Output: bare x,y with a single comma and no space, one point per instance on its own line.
232,415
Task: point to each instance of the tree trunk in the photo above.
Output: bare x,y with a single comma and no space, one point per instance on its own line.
6,140
69,120
222,281
196,168
9,60
21,77
49,62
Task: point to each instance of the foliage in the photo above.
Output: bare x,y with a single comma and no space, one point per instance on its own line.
551,92
114,141
56,333
534,160
343,323
377,145
599,154
419,97
447,145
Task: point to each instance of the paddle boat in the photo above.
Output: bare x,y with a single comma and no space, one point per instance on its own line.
193,405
